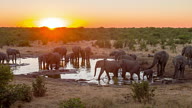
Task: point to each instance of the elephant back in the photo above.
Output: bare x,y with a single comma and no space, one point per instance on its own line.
3,56
127,57
61,50
76,49
11,51
88,50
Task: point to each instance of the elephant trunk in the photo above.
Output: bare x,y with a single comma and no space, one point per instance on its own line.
153,64
95,70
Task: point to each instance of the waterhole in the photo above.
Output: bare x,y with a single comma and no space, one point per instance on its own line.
84,72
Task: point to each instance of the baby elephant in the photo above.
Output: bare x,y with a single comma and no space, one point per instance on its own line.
148,73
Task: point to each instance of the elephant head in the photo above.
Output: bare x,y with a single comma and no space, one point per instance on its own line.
156,59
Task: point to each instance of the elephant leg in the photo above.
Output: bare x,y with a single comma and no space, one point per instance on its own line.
182,71
151,76
175,73
123,74
51,66
143,76
108,75
57,66
158,73
116,73
148,77
15,58
138,74
101,72
44,66
12,59
131,75
163,68
47,66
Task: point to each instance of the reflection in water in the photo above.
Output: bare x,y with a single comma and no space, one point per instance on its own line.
54,76
85,70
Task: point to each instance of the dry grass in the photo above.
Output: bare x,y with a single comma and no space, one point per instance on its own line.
167,96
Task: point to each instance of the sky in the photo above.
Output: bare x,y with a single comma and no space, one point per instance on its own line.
98,13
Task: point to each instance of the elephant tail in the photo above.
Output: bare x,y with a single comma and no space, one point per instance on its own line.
153,64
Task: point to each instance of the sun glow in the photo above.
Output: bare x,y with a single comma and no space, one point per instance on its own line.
53,23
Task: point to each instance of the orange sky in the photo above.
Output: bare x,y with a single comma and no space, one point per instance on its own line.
97,13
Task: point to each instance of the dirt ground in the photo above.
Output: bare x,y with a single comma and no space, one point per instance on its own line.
176,95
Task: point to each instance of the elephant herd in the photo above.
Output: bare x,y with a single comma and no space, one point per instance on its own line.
124,62
129,63
11,54
52,59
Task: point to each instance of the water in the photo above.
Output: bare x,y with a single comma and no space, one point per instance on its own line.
85,72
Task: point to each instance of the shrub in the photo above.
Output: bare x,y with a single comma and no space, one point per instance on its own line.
12,93
152,41
141,92
130,43
163,47
6,75
7,96
107,44
72,103
23,43
143,46
39,88
24,92
118,44
103,43
173,48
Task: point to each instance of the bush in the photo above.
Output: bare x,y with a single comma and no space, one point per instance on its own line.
152,41
24,92
6,75
12,93
163,47
143,46
72,103
39,88
103,43
141,92
23,43
130,43
118,44
173,48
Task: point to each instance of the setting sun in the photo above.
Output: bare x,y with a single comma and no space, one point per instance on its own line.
53,23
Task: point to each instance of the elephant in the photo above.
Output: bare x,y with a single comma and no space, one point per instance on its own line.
160,58
148,73
128,57
76,51
117,54
130,66
3,57
69,57
13,53
150,55
179,63
87,53
61,50
187,52
42,60
134,56
82,52
53,58
107,66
